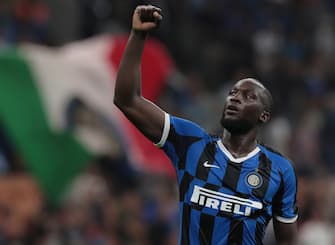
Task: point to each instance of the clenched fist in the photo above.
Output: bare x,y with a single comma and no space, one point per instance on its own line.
146,18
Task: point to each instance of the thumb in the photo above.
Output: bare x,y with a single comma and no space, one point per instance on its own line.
157,16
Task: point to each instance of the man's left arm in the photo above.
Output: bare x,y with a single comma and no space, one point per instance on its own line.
285,211
286,233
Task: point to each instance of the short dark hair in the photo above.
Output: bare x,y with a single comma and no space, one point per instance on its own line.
267,100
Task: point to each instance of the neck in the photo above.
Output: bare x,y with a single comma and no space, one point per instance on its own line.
239,145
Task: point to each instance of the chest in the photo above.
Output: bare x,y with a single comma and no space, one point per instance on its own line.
255,177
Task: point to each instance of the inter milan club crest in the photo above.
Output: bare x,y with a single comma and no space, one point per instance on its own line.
254,180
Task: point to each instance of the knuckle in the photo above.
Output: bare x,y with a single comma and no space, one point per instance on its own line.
140,8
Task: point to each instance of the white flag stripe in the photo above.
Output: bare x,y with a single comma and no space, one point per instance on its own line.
75,70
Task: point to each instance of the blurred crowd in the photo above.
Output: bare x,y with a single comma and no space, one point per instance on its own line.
289,45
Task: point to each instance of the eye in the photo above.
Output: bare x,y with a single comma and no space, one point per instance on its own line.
233,92
251,96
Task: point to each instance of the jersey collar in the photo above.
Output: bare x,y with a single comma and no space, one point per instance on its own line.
238,159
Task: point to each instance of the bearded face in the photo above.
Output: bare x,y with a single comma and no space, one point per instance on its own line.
244,108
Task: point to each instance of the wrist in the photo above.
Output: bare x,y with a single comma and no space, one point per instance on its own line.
139,34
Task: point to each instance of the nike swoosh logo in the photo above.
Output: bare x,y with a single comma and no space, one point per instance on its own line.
208,165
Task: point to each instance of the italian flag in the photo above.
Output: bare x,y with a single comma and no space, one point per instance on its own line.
47,94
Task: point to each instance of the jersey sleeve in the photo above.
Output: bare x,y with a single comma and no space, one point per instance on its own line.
177,136
284,205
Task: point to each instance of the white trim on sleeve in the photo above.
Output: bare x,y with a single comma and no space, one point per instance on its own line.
286,220
166,131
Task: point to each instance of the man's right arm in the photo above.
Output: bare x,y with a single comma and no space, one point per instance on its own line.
145,115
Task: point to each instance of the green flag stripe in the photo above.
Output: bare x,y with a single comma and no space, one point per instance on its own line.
53,158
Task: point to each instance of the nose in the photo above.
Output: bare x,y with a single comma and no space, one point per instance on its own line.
236,98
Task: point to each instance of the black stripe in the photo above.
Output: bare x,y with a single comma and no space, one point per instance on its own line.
259,233
184,185
182,143
235,236
232,175
211,187
277,199
272,150
296,179
264,169
261,212
185,229
208,154
206,229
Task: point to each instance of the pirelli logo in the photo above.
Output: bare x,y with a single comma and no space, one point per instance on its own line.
224,202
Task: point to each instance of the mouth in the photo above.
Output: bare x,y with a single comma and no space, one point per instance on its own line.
231,109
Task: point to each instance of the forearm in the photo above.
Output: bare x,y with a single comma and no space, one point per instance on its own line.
291,240
146,116
128,81
286,234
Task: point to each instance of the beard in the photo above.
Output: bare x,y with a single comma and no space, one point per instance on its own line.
236,126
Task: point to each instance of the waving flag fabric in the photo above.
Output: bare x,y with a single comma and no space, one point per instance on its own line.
40,87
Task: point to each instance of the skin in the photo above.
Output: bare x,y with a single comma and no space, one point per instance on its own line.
247,104
243,113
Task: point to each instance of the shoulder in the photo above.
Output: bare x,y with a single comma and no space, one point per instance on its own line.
181,133
278,159
186,127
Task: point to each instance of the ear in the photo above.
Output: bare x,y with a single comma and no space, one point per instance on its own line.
264,117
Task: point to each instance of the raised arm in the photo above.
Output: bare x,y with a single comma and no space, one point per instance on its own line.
145,115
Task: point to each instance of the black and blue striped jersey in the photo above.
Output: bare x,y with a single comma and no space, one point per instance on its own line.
222,199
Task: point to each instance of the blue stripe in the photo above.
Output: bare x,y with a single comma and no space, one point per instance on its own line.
194,229
193,154
220,232
187,150
187,128
249,232
171,152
